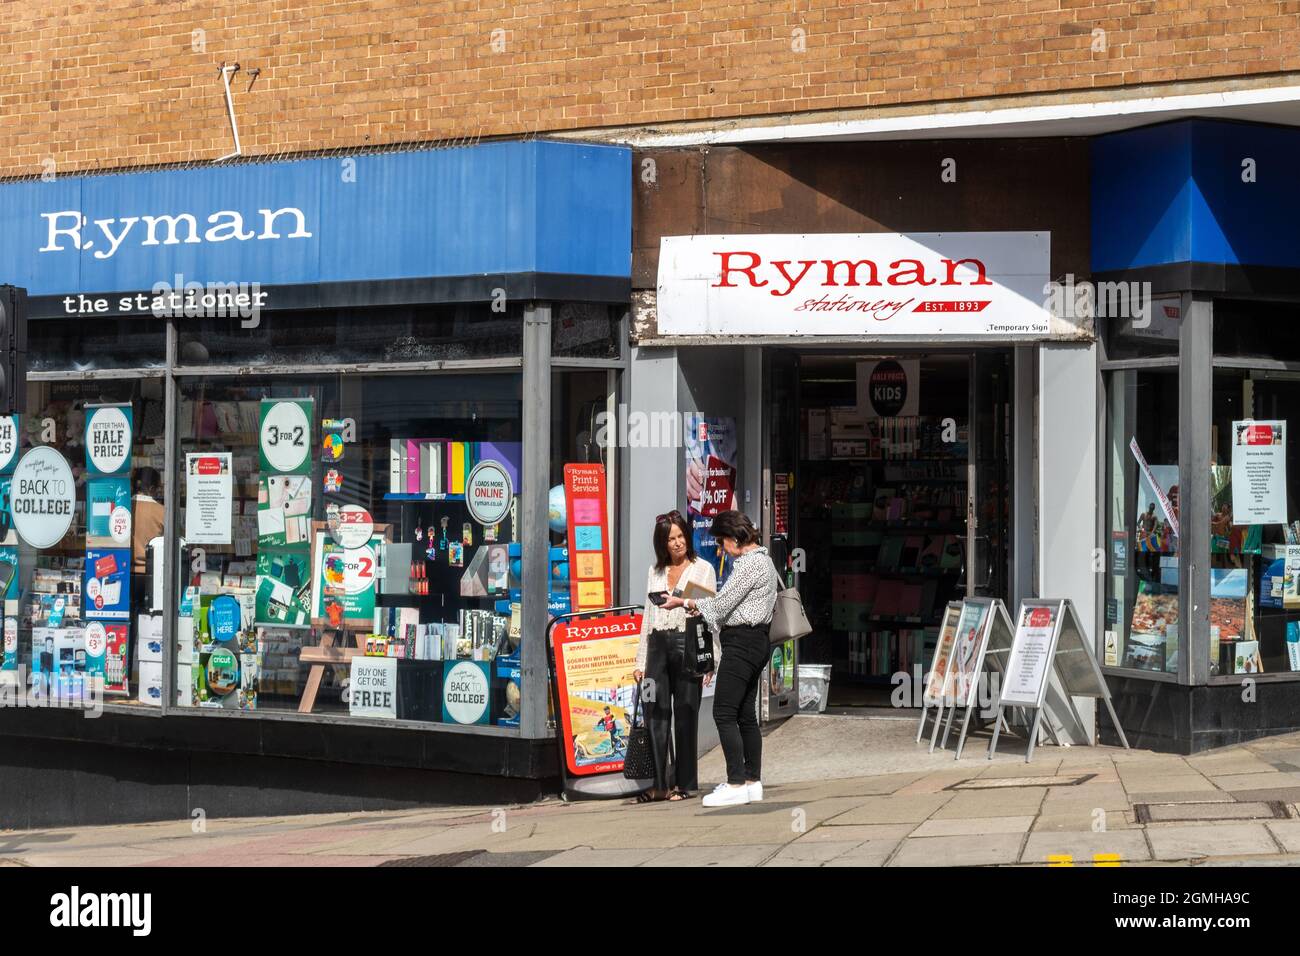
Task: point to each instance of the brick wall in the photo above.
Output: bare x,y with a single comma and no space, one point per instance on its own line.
123,82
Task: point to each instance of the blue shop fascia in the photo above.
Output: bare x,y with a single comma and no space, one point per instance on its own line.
315,358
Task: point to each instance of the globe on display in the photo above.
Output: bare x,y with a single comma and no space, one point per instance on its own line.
513,699
516,569
556,514
560,570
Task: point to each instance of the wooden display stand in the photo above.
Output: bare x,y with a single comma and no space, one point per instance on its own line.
333,649
325,653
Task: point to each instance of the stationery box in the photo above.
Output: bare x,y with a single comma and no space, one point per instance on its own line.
184,685
184,641
150,691
149,636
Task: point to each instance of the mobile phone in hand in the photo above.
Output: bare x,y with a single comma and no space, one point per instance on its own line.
658,598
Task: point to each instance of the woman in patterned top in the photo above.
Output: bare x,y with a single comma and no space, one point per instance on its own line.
742,612
661,659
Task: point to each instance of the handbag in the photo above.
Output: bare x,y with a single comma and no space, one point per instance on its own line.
639,760
699,647
699,639
789,622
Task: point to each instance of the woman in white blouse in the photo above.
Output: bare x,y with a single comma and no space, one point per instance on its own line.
671,693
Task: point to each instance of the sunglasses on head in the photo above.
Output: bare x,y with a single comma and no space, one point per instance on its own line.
674,514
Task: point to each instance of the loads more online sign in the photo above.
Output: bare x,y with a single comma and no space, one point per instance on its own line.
943,284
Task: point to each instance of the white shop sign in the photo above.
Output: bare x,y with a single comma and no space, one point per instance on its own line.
957,284
1259,472
1050,640
372,687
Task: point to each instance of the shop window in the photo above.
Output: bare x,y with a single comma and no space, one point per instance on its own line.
424,333
1267,330
586,330
1136,325
1142,586
90,343
580,409
82,518
1254,596
331,560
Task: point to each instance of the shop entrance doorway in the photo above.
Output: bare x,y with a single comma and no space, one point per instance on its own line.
886,491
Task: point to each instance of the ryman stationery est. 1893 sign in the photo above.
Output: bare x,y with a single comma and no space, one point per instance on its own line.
958,284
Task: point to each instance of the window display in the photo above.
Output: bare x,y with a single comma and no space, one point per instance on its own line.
1254,602
82,513
342,568
1142,585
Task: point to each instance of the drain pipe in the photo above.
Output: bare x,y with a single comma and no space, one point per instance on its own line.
226,73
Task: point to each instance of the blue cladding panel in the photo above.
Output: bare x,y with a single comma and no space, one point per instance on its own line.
497,208
577,222
1246,223
1141,197
1174,193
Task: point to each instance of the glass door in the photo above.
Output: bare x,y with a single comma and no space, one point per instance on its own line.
988,498
780,456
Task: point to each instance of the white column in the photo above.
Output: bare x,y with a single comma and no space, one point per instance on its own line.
1067,491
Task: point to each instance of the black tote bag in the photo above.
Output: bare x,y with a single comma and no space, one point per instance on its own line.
639,761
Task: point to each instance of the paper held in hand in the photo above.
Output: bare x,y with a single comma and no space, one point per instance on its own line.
696,590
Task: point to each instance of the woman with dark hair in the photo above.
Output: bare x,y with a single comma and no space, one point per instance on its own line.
672,693
741,614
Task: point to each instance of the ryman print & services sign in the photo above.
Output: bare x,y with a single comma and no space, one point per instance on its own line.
959,284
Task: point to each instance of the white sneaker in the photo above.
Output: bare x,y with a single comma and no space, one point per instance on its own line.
755,790
725,795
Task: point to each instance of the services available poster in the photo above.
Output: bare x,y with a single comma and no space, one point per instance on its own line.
711,462
209,494
1030,657
1259,471
594,661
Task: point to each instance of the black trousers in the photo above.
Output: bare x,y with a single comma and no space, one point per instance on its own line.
676,703
744,652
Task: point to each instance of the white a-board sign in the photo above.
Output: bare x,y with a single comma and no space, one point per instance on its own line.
1049,639
988,656
973,644
936,679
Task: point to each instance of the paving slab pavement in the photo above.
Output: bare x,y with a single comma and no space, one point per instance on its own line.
886,801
